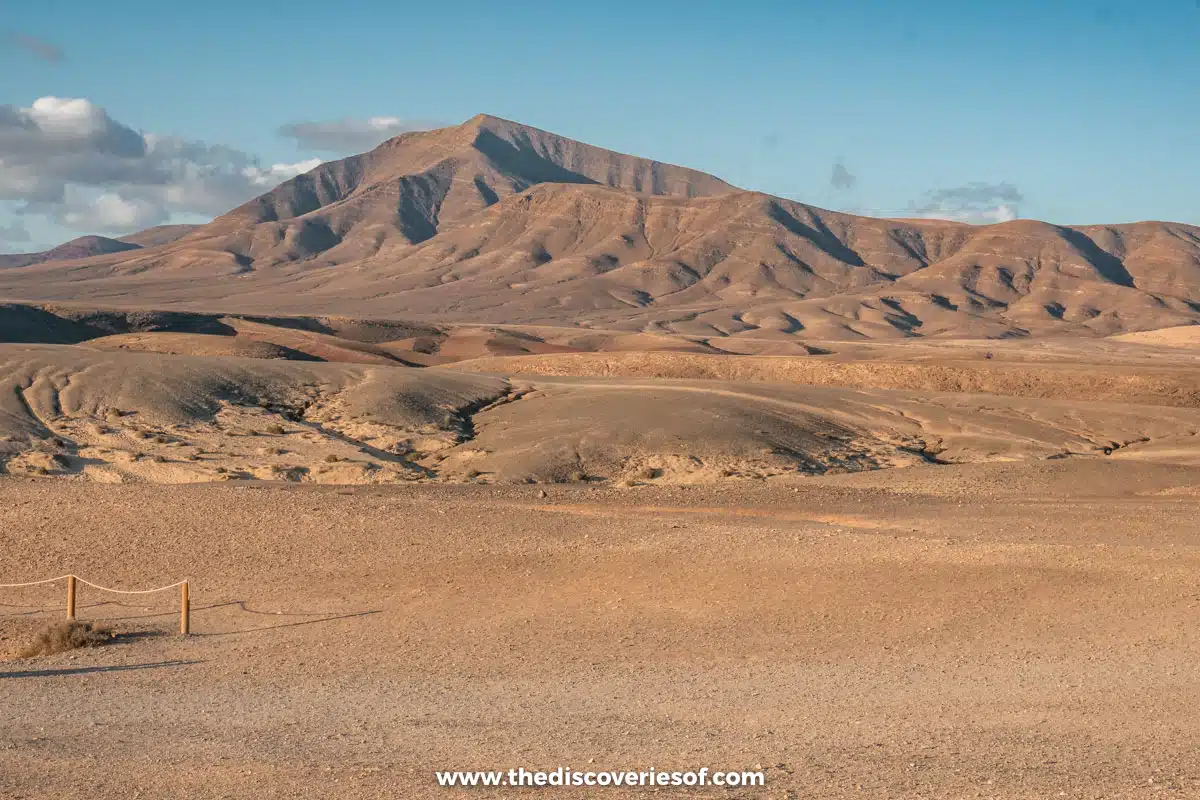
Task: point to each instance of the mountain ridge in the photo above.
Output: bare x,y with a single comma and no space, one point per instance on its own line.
79,247
94,245
492,221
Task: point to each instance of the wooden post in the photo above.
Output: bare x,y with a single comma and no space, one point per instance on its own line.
70,597
185,610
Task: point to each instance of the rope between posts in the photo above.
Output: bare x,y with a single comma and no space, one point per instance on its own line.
33,583
93,585
128,591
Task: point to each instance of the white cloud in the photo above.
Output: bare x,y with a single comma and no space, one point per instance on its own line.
1000,213
978,203
109,212
349,135
277,173
67,160
69,117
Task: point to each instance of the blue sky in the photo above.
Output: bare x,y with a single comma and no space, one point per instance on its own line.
1073,112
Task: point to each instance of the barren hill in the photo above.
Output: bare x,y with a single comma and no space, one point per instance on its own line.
491,221
88,246
83,247
132,416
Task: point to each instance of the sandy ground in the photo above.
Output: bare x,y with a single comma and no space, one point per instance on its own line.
998,630
71,412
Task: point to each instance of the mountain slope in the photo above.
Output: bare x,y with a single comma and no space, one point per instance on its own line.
88,246
491,221
158,235
83,247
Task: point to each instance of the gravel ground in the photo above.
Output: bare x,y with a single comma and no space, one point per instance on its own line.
1007,630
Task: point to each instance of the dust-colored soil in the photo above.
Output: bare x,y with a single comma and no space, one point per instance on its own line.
1144,384
323,338
115,417
1021,630
1180,336
923,569
195,344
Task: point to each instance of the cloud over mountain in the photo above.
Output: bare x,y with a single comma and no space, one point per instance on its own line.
349,135
67,160
975,202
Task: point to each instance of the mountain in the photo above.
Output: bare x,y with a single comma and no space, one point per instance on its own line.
83,247
491,221
414,186
88,246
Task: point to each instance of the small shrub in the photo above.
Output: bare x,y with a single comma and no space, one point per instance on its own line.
276,429
332,459
63,636
286,473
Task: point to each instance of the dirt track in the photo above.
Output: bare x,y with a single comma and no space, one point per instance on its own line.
1006,630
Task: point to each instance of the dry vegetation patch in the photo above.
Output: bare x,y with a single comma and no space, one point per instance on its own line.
60,637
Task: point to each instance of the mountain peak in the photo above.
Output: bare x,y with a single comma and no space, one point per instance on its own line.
415,184
484,119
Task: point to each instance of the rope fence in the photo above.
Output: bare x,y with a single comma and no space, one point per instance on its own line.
185,606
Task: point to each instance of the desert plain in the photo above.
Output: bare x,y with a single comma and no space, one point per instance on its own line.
868,592
489,449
